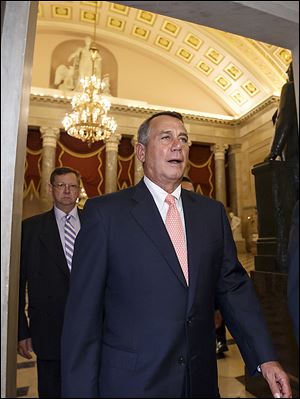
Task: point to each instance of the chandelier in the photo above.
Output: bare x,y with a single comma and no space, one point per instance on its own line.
88,120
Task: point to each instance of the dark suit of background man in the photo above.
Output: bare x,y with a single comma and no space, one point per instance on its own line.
133,326
45,273
293,271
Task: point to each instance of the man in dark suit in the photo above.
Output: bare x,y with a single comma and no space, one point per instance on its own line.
45,273
137,323
293,271
221,341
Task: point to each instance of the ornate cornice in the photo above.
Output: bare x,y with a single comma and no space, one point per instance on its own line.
150,109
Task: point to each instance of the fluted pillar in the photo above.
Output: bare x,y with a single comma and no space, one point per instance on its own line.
234,164
50,136
138,166
219,154
111,163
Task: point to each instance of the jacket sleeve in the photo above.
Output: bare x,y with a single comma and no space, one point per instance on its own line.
240,307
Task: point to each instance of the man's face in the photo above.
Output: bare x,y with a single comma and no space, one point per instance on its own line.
65,191
166,153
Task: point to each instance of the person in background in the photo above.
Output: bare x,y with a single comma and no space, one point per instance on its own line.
221,341
149,264
293,271
44,275
187,183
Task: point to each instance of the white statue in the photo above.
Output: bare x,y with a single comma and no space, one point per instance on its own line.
235,223
83,64
66,76
106,81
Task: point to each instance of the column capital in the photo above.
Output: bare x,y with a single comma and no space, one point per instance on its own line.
112,143
50,135
234,149
219,150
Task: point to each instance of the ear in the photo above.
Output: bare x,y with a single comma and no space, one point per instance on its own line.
140,152
50,188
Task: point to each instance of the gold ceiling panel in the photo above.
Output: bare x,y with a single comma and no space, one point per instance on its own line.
233,71
250,88
171,28
184,54
238,97
193,41
146,16
40,11
92,3
116,23
140,32
214,56
64,12
204,68
283,55
222,82
119,8
163,42
88,16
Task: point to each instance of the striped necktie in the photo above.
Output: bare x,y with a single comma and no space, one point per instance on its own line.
175,229
70,235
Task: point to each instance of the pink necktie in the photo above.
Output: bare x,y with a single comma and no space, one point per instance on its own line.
175,229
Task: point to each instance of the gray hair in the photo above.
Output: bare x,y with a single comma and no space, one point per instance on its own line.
143,130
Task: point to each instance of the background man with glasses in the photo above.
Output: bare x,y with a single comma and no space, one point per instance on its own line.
46,260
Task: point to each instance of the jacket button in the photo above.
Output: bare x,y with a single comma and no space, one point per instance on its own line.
181,360
189,321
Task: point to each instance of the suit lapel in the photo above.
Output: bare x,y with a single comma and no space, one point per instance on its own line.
51,240
193,234
147,216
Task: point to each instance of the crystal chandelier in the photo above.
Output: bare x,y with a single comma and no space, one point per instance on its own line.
88,120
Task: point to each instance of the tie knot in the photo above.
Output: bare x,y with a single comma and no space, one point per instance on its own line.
170,199
68,218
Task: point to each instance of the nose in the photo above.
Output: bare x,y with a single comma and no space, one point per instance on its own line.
67,187
176,144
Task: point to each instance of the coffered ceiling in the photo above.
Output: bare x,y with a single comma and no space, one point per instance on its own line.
240,72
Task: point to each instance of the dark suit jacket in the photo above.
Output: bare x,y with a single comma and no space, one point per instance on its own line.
44,269
293,271
132,325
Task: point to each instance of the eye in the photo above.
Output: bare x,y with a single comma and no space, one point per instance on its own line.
166,137
183,139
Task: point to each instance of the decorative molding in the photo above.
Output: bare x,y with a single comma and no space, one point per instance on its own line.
150,109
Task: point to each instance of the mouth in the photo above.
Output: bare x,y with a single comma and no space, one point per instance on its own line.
175,161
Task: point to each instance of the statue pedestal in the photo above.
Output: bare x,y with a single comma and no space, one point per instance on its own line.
276,196
271,289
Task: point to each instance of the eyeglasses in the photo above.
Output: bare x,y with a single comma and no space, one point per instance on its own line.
64,186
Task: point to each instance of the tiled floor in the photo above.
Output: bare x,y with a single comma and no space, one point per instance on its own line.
231,367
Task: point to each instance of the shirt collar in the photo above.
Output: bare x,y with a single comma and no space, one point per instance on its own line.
59,214
159,194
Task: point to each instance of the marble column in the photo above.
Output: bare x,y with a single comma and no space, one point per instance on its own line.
234,164
138,166
111,163
18,29
219,153
50,136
